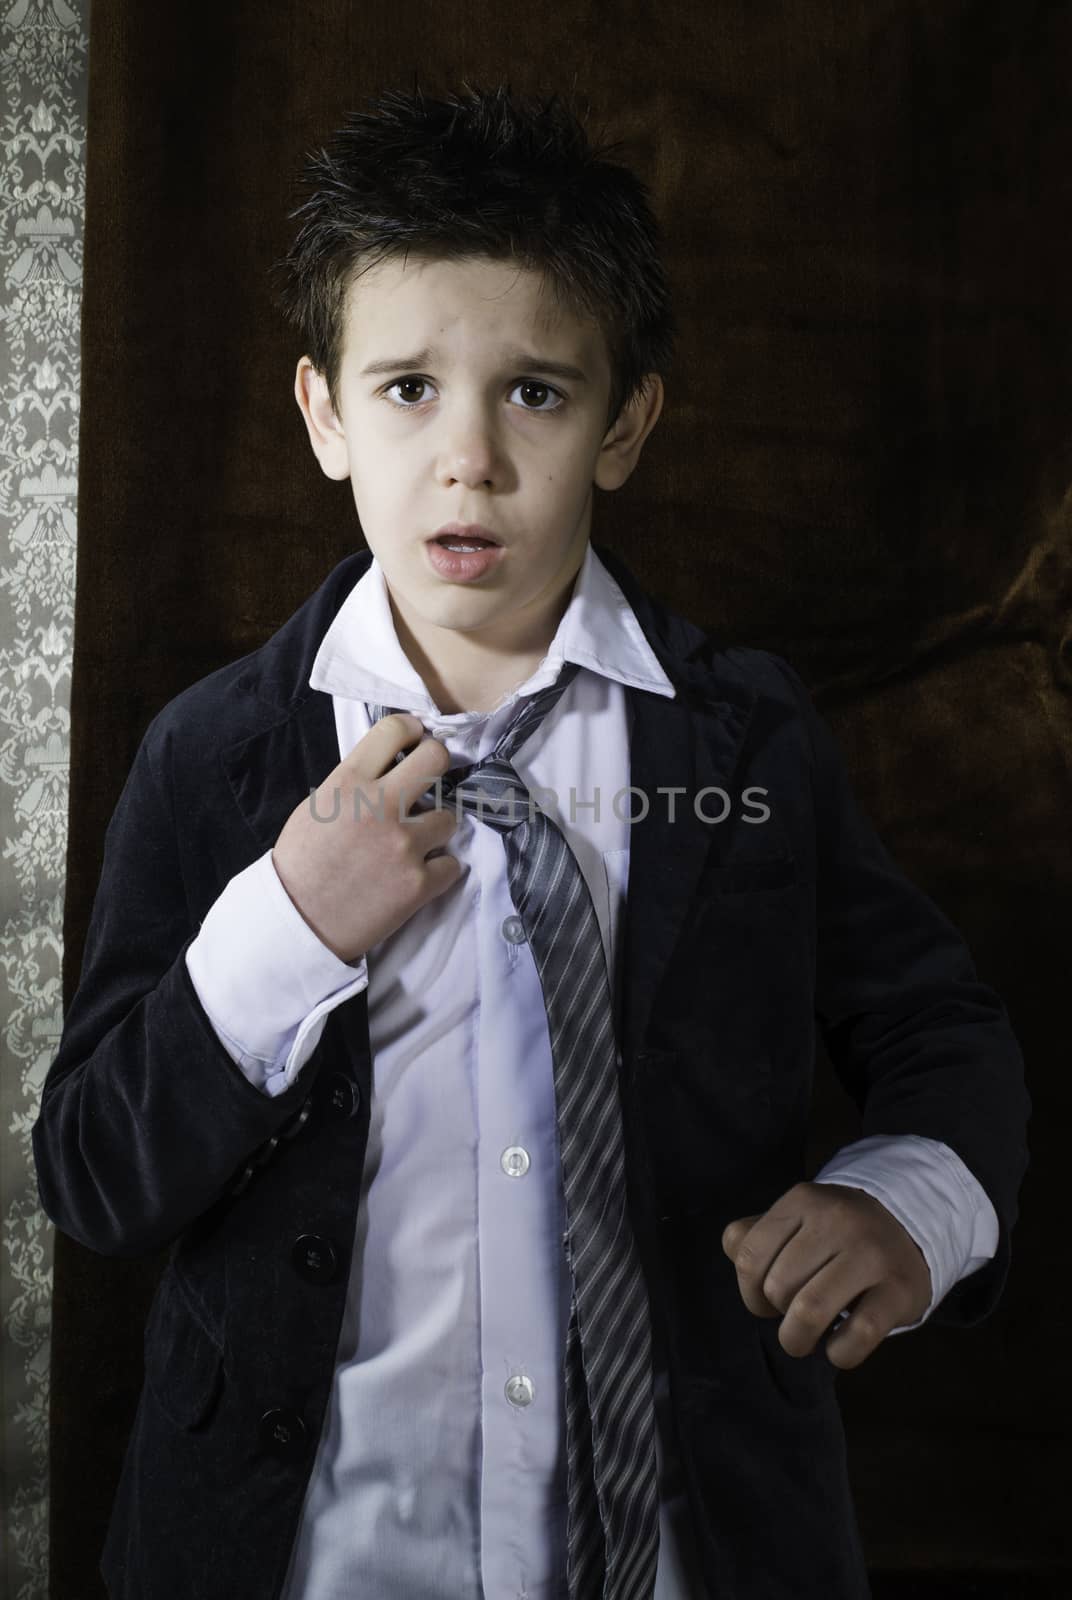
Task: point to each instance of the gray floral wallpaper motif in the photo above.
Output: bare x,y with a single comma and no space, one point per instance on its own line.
44,51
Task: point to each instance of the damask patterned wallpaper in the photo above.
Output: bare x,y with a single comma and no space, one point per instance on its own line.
44,50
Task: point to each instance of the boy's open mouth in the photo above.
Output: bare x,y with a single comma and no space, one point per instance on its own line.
464,536
463,558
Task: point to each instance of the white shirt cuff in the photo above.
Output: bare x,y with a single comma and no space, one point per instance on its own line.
930,1191
265,980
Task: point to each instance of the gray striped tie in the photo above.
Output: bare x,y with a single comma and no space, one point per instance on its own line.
612,1487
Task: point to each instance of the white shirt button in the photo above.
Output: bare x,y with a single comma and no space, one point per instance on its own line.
514,1161
519,1390
514,929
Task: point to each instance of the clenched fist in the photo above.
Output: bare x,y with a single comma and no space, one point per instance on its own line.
821,1248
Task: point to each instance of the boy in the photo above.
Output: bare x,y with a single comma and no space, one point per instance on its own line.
448,1108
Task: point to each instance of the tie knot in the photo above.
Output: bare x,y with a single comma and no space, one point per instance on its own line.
491,791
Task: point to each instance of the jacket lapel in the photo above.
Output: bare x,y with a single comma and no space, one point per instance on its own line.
691,742
270,772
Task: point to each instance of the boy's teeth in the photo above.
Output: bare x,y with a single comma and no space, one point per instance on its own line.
456,544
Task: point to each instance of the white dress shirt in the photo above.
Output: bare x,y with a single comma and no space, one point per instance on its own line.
440,1467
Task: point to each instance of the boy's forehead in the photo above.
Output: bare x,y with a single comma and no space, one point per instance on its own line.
382,302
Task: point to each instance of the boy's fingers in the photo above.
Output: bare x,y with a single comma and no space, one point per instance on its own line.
386,740
753,1244
397,740
734,1232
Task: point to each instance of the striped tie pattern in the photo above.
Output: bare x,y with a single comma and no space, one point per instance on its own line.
612,1538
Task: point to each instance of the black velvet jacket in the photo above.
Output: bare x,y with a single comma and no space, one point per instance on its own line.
739,941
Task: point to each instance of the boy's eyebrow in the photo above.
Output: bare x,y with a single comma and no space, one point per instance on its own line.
512,358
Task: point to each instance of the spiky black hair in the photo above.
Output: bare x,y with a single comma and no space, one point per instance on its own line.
483,173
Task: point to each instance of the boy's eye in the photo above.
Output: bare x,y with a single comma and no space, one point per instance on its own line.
409,402
543,390
406,383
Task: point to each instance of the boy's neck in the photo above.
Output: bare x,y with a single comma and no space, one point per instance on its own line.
483,695
472,674
475,678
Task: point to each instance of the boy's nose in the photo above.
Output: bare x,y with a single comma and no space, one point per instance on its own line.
471,448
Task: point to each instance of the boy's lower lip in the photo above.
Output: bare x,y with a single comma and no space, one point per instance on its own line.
457,567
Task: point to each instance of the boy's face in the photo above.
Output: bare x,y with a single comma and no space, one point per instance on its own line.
482,432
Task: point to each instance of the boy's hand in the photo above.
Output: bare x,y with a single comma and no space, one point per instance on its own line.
818,1248
356,873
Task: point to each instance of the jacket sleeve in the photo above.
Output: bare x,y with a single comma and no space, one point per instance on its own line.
921,1045
144,1116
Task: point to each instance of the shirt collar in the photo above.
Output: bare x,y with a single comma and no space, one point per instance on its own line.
360,657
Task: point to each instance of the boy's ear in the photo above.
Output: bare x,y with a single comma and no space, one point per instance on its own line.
621,448
325,430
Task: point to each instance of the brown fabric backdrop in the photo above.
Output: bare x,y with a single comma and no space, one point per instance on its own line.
863,464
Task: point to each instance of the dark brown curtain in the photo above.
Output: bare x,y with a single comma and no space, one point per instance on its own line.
863,464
